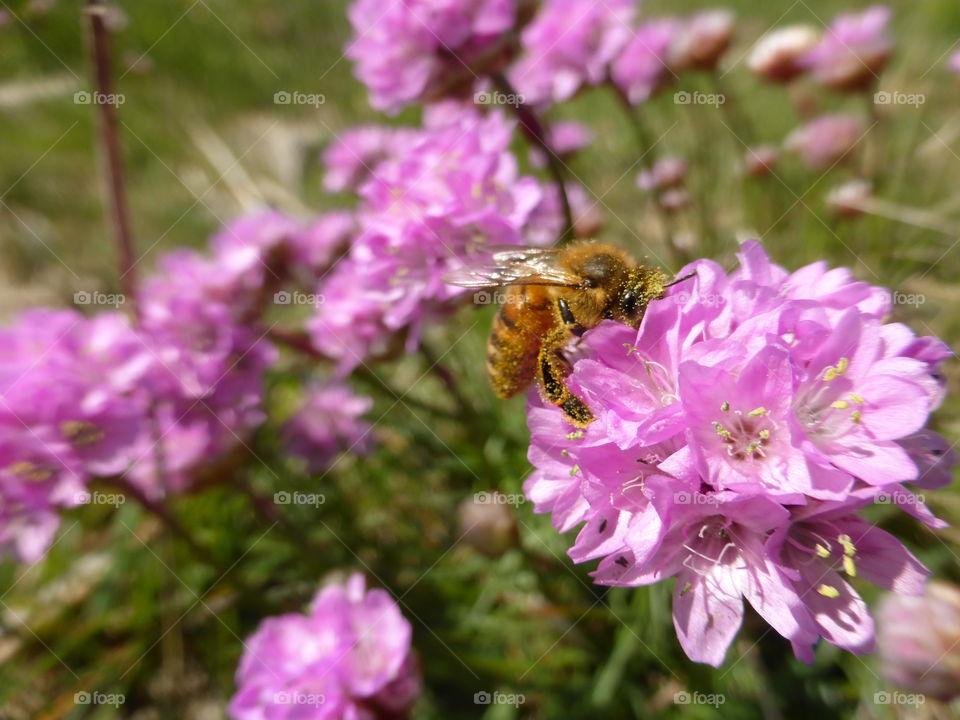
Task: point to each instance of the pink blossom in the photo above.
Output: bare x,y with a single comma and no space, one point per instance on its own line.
826,140
642,68
853,51
349,656
570,44
420,50
423,213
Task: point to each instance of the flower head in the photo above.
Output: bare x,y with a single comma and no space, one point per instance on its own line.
642,68
853,51
421,50
570,44
347,657
826,140
738,434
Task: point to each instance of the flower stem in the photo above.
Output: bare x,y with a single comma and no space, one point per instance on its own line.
534,130
106,107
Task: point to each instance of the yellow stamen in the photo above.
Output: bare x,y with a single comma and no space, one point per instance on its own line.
839,404
855,417
835,371
828,591
822,551
575,435
764,434
725,406
849,567
857,399
29,471
574,470
721,430
757,412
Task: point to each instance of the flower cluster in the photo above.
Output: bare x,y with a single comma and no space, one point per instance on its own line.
421,50
348,657
847,57
437,197
154,402
69,409
739,434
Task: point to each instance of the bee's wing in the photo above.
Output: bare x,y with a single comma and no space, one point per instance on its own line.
514,266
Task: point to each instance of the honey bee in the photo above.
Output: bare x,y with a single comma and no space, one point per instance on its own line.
552,297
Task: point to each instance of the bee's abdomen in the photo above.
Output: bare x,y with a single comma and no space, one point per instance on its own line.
514,343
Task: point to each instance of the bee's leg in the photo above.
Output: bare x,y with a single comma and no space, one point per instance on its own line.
569,321
553,370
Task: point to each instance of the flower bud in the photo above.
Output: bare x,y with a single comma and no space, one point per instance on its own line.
919,640
702,40
776,56
489,528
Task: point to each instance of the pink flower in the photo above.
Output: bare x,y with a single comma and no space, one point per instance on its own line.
823,548
352,157
423,213
854,49
71,408
420,50
565,139
750,412
826,140
349,656
642,69
570,44
667,172
329,422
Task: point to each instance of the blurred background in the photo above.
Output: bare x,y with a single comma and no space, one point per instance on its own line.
124,605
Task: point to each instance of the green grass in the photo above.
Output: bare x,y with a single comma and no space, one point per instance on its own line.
121,605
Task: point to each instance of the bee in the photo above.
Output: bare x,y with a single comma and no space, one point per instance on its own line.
554,295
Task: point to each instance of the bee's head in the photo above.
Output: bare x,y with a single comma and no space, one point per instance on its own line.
641,285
